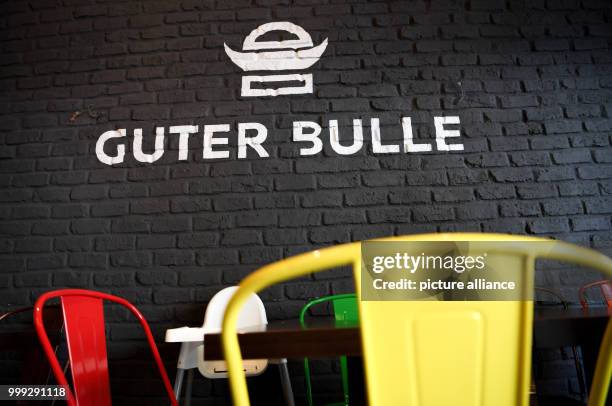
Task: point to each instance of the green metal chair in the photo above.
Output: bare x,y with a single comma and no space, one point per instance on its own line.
345,309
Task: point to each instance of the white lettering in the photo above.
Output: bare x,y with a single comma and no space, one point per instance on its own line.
209,141
442,134
253,136
254,142
110,159
159,146
298,135
409,145
183,131
334,138
377,146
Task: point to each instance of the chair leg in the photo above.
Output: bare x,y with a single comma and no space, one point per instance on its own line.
178,383
286,382
189,387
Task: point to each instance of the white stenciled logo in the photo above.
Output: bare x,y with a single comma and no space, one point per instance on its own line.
293,54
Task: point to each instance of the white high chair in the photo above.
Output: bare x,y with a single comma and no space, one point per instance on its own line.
191,355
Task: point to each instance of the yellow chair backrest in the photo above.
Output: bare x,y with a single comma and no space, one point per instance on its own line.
435,353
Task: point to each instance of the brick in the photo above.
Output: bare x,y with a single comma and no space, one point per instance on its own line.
107,279
453,195
562,207
90,226
433,213
329,235
171,225
218,257
190,205
513,175
89,192
129,190
554,174
562,127
572,156
537,191
50,228
150,278
12,264
595,172
583,188
256,219
285,237
299,218
33,279
109,209
84,260
44,262
476,211
165,296
130,225
14,229
174,258
409,196
195,278
294,182
590,223
130,259
146,113
387,178
240,237
155,242
365,198
518,101
510,226
530,158
519,209
72,244
343,217
390,215
601,205
30,212
260,255
550,225
488,160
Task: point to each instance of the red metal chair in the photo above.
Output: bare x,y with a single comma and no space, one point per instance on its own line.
606,291
86,339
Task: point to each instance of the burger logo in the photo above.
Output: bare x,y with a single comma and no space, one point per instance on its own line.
288,55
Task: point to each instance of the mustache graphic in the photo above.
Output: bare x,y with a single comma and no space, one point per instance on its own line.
276,60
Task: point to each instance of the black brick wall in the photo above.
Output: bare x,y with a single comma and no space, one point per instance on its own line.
530,80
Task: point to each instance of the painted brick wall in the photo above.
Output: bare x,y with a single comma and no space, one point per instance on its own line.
530,80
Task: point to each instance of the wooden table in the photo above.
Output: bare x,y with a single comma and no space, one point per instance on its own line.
322,339
553,327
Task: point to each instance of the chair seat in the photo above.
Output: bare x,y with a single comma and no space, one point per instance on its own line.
185,334
193,334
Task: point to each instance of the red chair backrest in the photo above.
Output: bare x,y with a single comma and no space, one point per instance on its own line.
86,339
606,291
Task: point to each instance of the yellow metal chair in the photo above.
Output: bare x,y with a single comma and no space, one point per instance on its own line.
460,353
